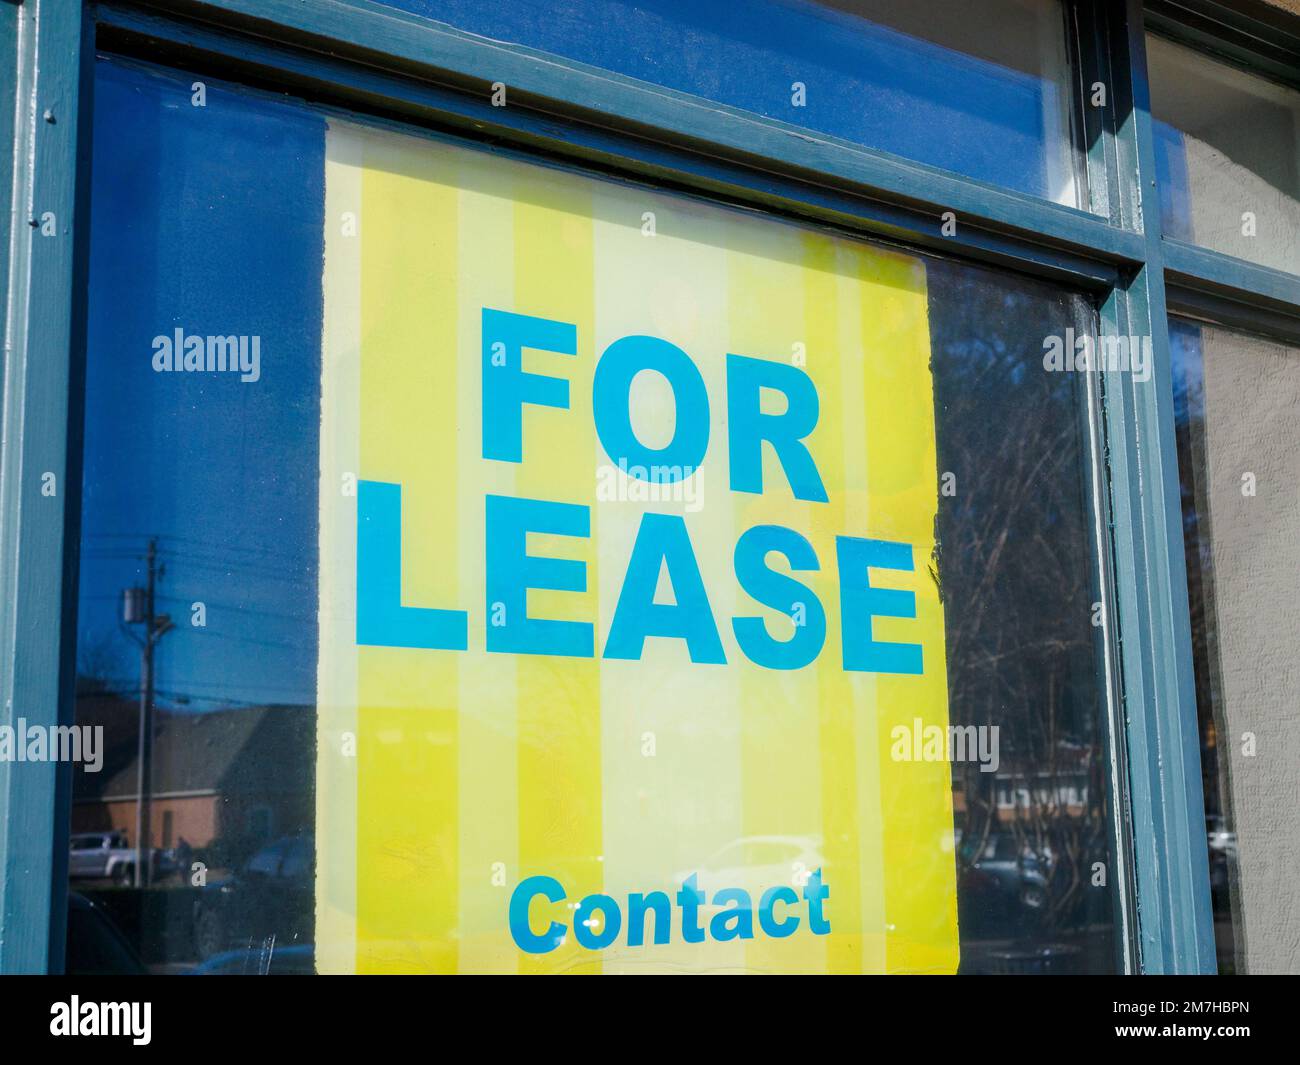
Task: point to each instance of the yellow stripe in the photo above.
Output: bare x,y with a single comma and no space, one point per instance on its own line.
767,317
671,769
559,772
407,850
489,788
836,699
915,796
853,264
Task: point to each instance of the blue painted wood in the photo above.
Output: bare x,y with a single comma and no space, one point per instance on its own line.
684,167
894,83
1230,313
41,413
1250,33
1221,275
1171,865
551,85
1106,183
9,20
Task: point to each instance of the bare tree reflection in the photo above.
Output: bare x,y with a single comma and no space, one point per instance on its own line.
1014,561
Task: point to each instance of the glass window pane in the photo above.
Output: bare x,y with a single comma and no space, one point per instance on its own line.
1022,648
981,87
1227,155
206,223
1236,396
349,789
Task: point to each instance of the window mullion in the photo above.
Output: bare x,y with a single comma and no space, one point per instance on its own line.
1164,769
40,480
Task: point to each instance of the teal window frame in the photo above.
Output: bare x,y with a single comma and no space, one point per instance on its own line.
368,58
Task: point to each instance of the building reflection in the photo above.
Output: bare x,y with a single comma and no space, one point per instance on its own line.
231,846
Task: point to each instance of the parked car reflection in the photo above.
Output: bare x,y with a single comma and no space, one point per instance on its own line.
106,856
1005,886
267,905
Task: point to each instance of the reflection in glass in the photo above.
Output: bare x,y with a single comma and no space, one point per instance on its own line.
214,228
1036,890
981,87
199,516
1227,156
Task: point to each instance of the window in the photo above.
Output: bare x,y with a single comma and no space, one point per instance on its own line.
1228,153
1236,400
1014,562
339,398
297,859
981,87
266,862
238,497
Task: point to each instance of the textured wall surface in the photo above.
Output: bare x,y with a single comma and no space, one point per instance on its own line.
1252,393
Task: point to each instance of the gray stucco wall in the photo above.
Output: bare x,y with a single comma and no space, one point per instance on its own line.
1252,410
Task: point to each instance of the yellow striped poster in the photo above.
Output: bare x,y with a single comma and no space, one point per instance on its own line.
626,526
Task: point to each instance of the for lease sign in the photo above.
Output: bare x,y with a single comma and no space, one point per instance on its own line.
626,529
